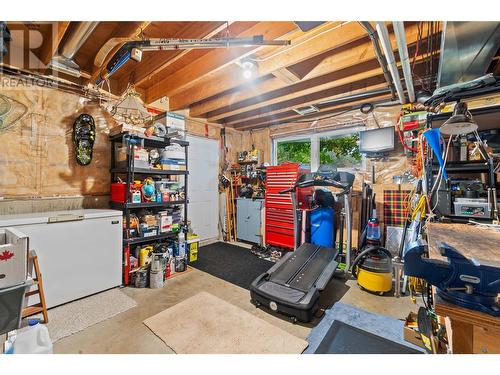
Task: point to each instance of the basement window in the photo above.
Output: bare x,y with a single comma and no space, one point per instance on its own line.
295,151
338,147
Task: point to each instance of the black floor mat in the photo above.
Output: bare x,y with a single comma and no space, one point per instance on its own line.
343,338
231,263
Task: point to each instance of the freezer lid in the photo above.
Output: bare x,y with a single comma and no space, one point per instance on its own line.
44,217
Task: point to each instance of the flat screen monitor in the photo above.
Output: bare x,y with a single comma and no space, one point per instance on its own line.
376,140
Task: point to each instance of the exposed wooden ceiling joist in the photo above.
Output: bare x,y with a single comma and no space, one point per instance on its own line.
325,112
338,61
275,111
306,91
286,75
214,61
284,110
323,40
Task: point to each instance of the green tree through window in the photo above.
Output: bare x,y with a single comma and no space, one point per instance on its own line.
294,151
342,151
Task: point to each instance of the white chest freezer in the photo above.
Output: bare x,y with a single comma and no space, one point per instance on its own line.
79,252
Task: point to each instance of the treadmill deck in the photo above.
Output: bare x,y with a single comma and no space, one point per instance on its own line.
304,267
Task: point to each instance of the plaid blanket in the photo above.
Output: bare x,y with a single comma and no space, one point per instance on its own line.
395,210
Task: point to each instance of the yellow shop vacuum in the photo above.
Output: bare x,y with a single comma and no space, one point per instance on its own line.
373,269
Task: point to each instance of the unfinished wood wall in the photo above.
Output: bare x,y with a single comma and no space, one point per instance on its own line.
261,139
37,157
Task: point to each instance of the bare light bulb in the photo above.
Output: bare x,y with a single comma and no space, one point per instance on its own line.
247,73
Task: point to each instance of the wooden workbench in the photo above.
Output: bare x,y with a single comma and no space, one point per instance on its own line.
471,331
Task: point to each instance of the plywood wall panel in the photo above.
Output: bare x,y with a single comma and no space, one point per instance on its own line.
38,158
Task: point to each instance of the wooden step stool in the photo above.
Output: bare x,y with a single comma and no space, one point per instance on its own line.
40,307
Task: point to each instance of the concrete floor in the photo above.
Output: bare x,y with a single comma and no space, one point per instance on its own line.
125,333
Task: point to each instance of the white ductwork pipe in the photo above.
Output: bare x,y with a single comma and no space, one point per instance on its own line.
77,38
383,35
399,31
64,61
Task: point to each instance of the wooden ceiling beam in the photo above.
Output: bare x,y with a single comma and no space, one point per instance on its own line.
49,50
309,91
287,76
339,60
312,44
325,112
279,111
215,60
359,87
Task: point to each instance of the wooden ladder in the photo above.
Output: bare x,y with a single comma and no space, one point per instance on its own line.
40,307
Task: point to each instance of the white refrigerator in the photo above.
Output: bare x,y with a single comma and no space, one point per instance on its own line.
79,252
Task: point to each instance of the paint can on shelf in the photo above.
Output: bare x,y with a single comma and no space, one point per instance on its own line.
156,279
141,278
180,264
157,262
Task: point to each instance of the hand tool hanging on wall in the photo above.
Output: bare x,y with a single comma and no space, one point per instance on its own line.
84,138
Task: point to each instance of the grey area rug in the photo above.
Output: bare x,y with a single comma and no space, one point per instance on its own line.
74,317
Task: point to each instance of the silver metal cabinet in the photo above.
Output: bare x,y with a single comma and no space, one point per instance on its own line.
248,217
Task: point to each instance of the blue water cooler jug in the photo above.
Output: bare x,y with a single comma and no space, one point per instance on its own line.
322,227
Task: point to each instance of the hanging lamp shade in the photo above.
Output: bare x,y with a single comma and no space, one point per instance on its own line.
460,122
130,109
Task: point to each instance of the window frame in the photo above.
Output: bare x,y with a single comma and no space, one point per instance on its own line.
315,139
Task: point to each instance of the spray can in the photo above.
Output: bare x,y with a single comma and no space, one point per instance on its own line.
172,266
167,270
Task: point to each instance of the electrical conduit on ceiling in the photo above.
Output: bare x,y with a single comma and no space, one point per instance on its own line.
399,31
378,53
383,35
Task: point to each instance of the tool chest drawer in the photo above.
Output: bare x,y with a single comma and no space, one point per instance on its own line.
279,225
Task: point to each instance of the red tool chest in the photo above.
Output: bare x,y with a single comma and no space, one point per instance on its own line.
279,211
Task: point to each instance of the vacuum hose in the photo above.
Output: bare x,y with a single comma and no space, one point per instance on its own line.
364,253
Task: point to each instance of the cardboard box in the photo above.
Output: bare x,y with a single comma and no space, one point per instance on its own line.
13,257
173,167
410,330
141,157
126,128
165,222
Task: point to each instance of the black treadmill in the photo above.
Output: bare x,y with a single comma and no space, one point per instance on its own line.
292,286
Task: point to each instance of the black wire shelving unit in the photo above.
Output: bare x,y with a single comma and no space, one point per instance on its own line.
129,172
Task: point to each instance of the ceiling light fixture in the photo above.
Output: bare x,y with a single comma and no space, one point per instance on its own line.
249,68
